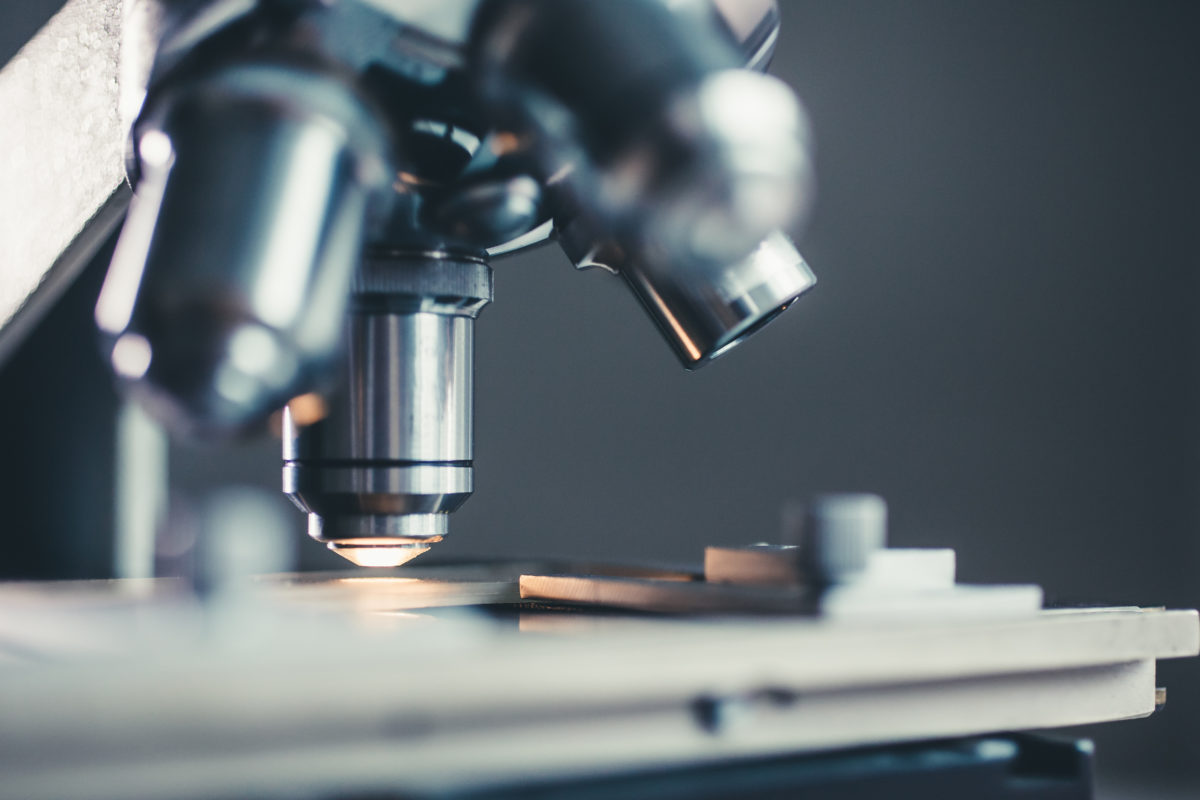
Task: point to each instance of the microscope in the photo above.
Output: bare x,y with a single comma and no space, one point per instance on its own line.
317,190
320,189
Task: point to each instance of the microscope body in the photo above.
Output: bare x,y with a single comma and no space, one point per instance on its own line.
320,188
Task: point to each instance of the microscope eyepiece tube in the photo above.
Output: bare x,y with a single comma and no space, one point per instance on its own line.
380,474
227,290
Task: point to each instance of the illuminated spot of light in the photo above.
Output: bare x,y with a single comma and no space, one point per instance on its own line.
131,356
307,409
155,149
503,143
379,555
253,349
407,179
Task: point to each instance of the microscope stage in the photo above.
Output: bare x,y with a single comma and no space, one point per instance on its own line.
334,685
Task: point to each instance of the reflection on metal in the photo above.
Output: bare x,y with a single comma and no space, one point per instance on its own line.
61,159
702,310
393,456
754,24
237,254
307,409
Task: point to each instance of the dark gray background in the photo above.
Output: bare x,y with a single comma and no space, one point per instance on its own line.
1005,341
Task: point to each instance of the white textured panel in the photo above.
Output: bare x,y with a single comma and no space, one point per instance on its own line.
60,144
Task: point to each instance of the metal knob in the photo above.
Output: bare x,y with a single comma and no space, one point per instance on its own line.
839,533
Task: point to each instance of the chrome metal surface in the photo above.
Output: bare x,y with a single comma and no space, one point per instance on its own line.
371,492
661,137
226,293
410,376
754,25
750,170
703,313
393,457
